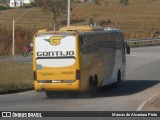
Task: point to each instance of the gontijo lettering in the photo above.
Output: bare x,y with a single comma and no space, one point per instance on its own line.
55,53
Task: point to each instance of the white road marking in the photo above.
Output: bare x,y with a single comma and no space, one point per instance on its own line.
146,101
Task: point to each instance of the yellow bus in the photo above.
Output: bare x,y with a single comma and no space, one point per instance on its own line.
78,58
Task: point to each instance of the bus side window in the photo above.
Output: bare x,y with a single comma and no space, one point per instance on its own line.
81,41
127,48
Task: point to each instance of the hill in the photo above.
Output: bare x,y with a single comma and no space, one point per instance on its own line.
138,19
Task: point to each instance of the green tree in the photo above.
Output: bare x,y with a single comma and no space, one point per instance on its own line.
57,7
125,2
38,3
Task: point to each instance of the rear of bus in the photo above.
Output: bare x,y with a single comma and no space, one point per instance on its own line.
56,62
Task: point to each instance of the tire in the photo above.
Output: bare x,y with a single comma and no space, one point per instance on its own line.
92,87
49,94
25,54
118,80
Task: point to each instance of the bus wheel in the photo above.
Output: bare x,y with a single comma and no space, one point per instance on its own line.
118,79
25,54
92,87
49,94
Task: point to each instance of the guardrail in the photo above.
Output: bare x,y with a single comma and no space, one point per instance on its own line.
143,42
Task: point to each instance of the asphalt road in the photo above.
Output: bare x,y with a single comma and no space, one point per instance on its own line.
142,81
17,59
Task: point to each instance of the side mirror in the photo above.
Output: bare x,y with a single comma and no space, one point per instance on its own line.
128,49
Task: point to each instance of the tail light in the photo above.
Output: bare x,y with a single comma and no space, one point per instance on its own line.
77,74
34,75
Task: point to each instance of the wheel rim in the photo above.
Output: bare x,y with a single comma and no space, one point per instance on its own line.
25,54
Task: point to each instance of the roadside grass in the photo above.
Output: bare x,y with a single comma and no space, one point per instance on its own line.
15,77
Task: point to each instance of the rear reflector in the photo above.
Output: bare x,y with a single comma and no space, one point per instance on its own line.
77,74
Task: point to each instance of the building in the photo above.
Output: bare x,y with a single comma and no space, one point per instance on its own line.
18,3
82,0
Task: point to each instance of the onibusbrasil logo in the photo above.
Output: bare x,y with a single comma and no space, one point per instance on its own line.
21,114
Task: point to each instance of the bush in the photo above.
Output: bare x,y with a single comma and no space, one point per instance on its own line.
33,4
105,23
4,7
125,2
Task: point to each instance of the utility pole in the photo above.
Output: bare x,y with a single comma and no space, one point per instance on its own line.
13,39
119,12
69,11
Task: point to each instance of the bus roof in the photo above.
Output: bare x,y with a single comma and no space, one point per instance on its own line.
71,30
81,28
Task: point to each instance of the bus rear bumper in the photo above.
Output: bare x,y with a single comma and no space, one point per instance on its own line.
56,86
